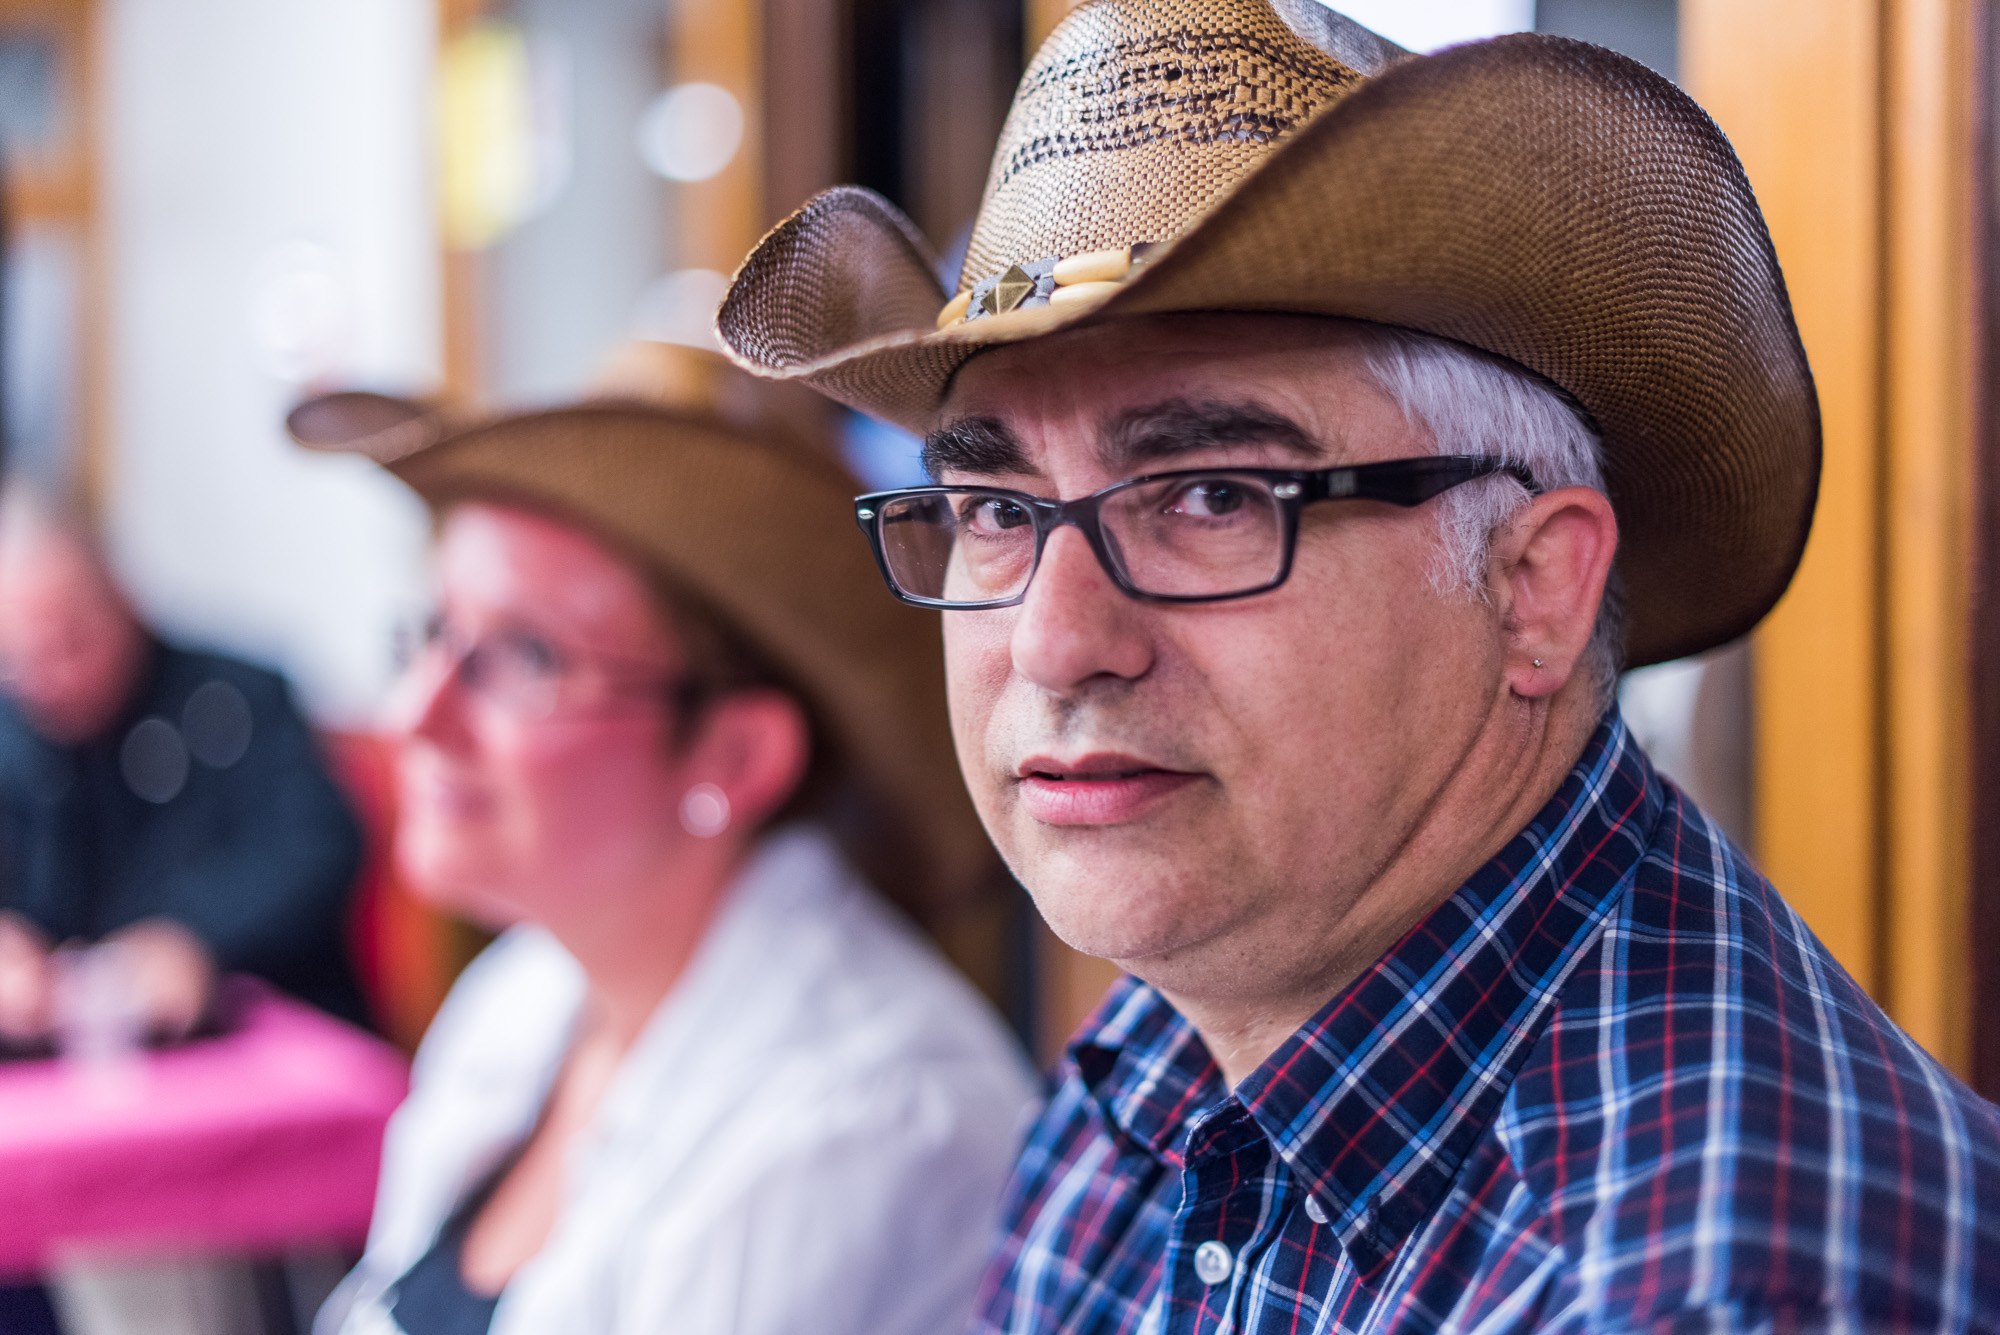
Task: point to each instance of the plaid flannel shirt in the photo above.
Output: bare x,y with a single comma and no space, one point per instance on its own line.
1612,1084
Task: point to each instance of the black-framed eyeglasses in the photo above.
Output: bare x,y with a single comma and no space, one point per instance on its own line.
1193,536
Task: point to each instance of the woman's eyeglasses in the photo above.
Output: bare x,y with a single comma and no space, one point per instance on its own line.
528,676
1195,536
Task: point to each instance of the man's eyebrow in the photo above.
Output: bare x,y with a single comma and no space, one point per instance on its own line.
982,446
1163,430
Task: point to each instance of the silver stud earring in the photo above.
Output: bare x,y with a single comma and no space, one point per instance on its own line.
1538,662
705,811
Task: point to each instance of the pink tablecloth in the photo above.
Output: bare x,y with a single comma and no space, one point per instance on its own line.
265,1138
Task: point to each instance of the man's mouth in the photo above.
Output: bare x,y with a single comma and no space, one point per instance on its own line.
1099,789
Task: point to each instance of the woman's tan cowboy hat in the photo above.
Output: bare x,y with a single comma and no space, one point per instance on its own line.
703,475
1545,200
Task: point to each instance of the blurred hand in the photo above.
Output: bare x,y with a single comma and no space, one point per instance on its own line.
170,976
27,983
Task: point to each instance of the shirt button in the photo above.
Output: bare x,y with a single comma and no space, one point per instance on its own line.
1314,1210
1212,1262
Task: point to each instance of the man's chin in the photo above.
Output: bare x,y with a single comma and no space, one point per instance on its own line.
1126,919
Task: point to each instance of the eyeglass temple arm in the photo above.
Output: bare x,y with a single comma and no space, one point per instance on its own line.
1410,482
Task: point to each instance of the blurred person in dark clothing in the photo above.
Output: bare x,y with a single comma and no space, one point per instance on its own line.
169,808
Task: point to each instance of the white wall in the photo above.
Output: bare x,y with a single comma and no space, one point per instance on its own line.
1426,25
267,160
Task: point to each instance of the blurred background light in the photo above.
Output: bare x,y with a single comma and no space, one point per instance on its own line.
503,145
1426,25
1646,30
38,330
680,308
691,132
30,102
301,312
879,455
540,306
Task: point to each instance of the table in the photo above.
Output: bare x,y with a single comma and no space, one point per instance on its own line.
263,1139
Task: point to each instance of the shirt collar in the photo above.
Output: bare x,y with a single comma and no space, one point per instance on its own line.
761,964
1146,1069
1375,1102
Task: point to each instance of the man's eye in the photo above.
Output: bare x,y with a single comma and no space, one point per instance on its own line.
1210,499
992,514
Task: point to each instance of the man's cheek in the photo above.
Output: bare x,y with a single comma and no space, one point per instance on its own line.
977,671
969,711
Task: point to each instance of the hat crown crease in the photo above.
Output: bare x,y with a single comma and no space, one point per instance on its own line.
1138,115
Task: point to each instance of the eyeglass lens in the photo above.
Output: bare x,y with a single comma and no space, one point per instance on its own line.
1197,536
517,672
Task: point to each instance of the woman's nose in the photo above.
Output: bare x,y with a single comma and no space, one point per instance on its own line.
429,699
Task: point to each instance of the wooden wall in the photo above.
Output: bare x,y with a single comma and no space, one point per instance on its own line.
1042,18
61,190
1857,122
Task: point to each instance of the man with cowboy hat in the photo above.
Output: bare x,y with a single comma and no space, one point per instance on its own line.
1295,401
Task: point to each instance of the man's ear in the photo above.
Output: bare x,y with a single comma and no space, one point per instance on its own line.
1547,573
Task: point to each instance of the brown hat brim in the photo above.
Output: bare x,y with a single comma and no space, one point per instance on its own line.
1541,199
759,527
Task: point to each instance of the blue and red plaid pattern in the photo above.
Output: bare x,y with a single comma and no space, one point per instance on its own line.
1613,1084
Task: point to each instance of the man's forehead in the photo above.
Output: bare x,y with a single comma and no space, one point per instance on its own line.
1135,391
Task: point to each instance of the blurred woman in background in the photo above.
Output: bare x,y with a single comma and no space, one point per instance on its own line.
706,1081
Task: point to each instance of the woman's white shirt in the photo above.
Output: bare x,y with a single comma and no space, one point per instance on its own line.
811,1133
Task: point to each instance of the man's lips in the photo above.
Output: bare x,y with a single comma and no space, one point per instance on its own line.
1098,789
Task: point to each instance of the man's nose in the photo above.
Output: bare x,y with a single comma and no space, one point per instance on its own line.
1075,624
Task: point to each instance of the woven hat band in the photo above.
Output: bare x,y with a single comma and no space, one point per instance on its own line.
1135,118
1049,281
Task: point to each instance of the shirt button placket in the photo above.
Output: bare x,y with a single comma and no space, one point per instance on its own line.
1213,1262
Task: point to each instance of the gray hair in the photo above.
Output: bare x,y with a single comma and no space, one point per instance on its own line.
1472,403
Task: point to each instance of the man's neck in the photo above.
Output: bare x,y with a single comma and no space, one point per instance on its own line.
1514,767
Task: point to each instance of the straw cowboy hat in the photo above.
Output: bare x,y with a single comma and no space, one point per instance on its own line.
1544,200
707,477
